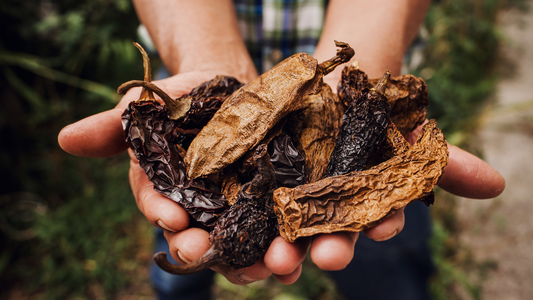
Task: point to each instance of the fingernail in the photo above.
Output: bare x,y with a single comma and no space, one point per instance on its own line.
164,226
245,278
387,237
186,261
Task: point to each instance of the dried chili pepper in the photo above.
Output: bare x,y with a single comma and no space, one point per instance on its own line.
244,232
395,144
195,109
288,162
359,200
247,115
363,127
353,81
152,136
314,129
407,96
206,99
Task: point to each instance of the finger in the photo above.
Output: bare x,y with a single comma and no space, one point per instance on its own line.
99,135
283,258
159,210
468,176
188,245
334,251
387,229
290,278
256,272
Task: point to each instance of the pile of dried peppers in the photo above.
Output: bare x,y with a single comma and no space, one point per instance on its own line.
284,155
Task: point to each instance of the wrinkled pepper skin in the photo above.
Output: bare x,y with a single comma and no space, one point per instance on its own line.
244,232
314,130
288,162
206,100
353,81
151,135
408,97
246,117
363,127
361,199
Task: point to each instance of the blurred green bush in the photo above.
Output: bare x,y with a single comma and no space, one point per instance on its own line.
68,224
69,227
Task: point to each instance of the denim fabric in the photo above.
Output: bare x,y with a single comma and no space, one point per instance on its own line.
398,268
195,286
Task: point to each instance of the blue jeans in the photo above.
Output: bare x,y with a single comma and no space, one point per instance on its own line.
398,268
395,269
196,286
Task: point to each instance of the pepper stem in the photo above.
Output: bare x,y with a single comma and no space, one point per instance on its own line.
344,54
381,86
209,259
146,94
176,109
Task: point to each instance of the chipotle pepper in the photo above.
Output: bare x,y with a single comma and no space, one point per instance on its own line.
363,127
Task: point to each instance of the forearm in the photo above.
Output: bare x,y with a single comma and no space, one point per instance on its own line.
200,35
380,31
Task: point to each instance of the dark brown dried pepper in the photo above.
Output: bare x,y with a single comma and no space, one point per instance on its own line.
363,127
353,81
152,136
206,99
288,162
247,115
244,232
195,109
360,200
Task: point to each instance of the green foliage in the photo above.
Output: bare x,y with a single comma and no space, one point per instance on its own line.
61,61
461,53
87,241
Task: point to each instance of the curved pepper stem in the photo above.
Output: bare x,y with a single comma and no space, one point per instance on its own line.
344,54
209,259
146,94
176,109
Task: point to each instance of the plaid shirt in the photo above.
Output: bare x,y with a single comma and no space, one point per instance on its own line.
275,29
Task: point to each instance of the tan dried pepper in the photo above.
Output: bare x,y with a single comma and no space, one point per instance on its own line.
407,95
360,200
246,117
314,129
